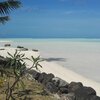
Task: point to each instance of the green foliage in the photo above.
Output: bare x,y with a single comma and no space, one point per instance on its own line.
35,62
16,62
4,19
6,7
16,68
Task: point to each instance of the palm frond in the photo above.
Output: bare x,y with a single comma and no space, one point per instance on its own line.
4,19
7,6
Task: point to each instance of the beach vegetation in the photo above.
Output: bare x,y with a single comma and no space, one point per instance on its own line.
14,74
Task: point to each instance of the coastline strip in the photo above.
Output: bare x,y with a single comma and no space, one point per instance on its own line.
57,70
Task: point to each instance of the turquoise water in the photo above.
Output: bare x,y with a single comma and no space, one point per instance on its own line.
53,39
79,55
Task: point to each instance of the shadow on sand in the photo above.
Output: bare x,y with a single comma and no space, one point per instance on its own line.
55,59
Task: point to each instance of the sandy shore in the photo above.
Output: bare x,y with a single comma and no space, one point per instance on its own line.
57,70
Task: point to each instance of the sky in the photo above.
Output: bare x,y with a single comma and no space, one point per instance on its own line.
54,19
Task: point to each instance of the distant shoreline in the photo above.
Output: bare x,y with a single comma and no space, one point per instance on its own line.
49,38
67,39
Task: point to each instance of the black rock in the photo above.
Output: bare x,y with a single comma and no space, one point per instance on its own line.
24,49
35,74
73,86
41,77
20,47
81,92
89,91
35,50
82,96
85,93
59,82
51,87
63,90
47,78
2,49
93,98
7,45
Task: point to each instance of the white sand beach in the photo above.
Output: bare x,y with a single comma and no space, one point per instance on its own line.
56,69
5,41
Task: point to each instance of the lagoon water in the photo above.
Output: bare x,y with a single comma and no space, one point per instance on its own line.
79,55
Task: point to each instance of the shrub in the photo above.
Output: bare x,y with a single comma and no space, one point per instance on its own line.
17,68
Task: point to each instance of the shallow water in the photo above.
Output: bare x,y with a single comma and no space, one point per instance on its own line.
79,55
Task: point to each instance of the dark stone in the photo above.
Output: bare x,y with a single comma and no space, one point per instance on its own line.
82,93
24,49
59,82
63,90
35,50
89,91
7,45
36,76
78,96
51,87
73,86
47,78
41,77
20,47
85,93
34,73
2,49
93,98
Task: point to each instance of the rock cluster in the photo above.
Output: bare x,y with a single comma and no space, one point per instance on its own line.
35,50
66,91
22,48
7,45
